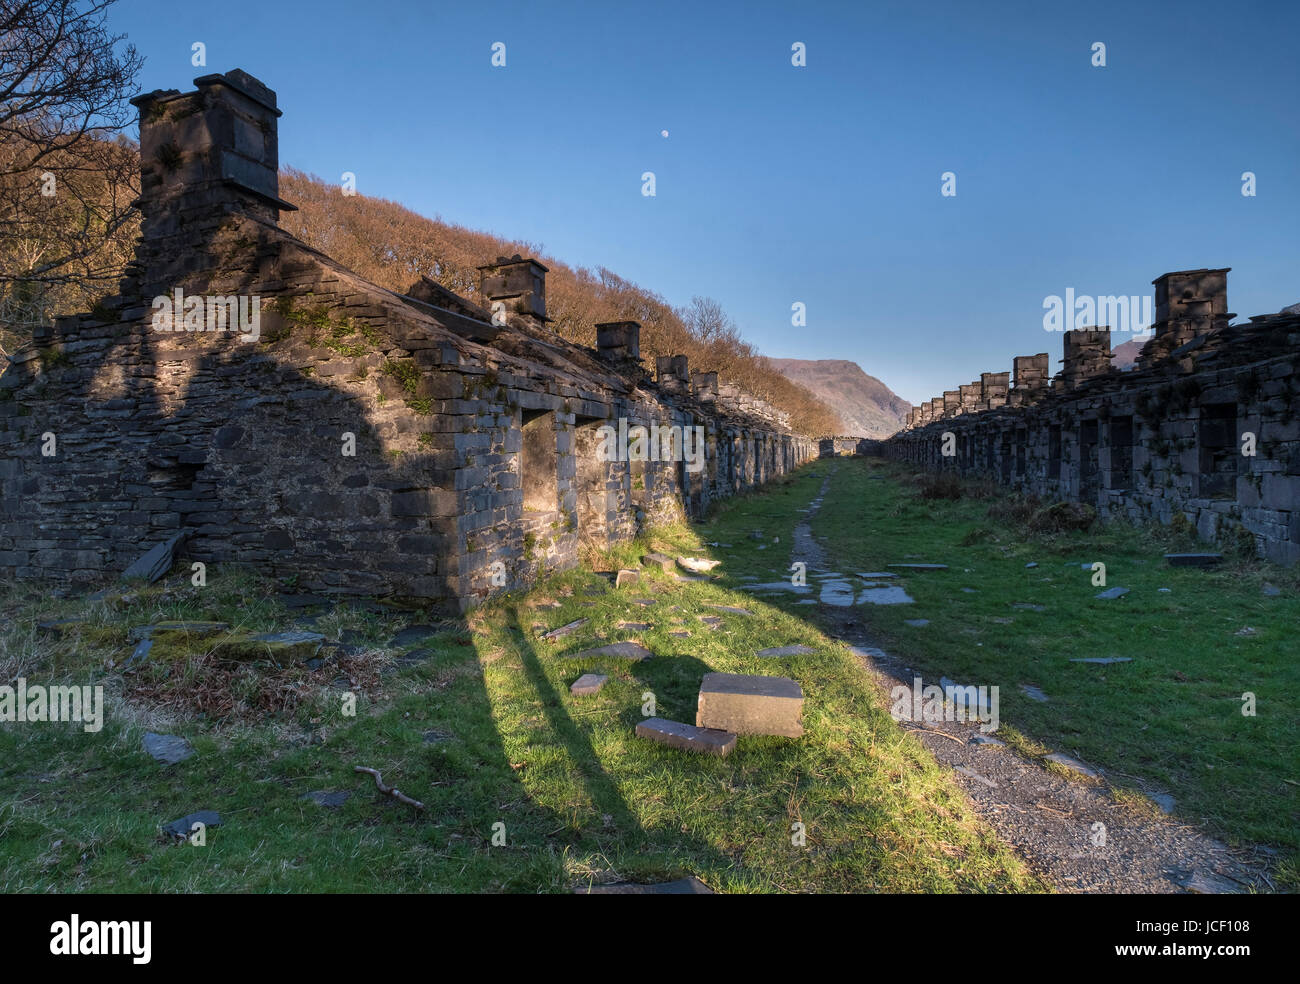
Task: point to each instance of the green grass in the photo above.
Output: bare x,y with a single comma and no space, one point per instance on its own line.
579,796
1171,719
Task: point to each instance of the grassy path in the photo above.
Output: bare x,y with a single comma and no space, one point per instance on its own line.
1169,722
483,730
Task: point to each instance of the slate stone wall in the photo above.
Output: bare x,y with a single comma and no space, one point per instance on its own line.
365,442
1157,443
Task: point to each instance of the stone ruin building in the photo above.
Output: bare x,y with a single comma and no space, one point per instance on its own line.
1207,425
418,446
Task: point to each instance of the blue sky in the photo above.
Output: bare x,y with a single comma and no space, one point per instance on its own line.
818,184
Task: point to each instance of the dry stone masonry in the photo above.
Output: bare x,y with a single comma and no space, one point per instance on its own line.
1207,427
244,398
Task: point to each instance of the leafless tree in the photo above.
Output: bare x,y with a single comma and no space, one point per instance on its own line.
67,177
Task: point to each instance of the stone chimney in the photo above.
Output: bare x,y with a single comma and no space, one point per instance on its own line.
1189,304
207,154
619,342
970,397
1031,378
704,386
1087,354
515,286
993,389
674,375
951,402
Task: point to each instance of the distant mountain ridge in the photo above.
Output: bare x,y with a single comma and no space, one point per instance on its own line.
867,407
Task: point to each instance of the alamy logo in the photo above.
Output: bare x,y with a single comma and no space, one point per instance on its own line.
655,443
221,312
100,938
56,703
1129,314
950,702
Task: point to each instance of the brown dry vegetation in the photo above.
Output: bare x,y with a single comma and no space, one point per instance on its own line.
393,247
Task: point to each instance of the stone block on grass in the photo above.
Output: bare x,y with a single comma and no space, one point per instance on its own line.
688,738
616,650
750,705
588,683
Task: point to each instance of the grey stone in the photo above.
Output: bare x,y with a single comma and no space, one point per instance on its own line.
983,739
919,567
184,827
785,651
975,775
683,886
627,577
1031,565
330,800
917,623
139,655
1074,765
662,561
1205,883
1102,660
1110,594
635,626
588,683
167,748
1033,693
686,737
566,629
1270,591
617,650
289,647
156,562
889,595
1026,606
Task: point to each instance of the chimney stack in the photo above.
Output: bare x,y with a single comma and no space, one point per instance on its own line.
619,342
517,286
212,152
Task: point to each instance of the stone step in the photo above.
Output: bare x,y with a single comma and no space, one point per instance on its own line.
688,738
750,705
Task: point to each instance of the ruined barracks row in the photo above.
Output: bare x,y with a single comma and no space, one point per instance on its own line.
1206,426
415,446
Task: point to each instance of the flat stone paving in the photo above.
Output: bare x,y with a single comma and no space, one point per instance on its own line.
617,650
588,683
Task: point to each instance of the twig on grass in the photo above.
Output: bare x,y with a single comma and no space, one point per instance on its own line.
392,791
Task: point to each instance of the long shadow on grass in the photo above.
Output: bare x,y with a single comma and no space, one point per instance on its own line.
633,839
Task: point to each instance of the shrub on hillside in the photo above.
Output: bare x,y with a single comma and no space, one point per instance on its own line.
1061,517
940,487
